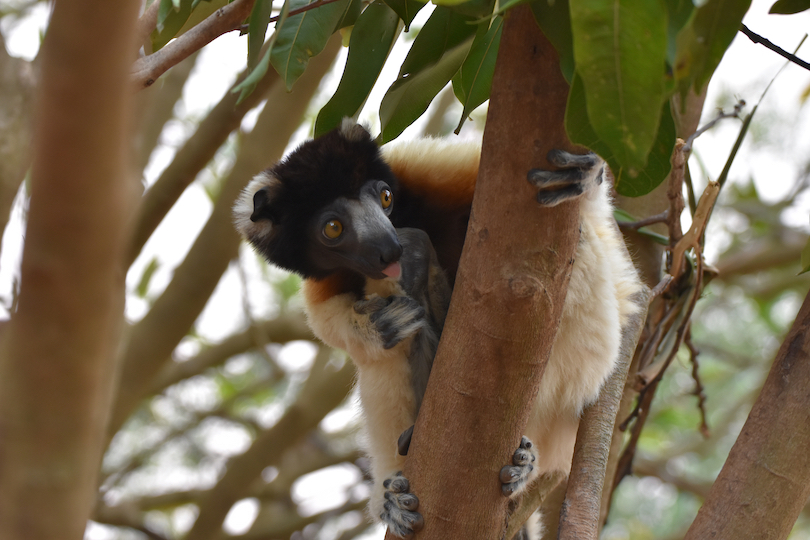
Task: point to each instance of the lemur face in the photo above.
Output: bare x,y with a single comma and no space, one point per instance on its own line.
357,234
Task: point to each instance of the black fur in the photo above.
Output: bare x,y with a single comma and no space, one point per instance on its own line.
315,174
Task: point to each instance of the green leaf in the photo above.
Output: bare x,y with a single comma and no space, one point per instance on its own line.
257,29
789,7
474,79
170,21
303,36
349,17
435,56
406,9
479,9
620,51
555,21
444,30
704,40
580,131
409,97
678,13
249,83
373,36
142,288
805,258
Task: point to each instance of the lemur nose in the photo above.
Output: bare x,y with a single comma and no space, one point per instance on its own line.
391,253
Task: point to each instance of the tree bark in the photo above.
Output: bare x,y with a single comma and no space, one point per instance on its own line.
507,301
57,355
765,481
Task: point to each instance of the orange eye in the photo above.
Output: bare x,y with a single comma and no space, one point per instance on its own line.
332,229
386,198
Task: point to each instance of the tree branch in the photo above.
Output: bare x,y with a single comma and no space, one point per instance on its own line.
151,341
57,370
482,384
580,511
765,481
756,38
324,390
147,69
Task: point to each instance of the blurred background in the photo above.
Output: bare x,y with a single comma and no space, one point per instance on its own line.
253,409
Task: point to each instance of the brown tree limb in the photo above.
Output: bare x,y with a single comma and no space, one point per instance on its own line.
765,481
192,157
57,370
507,300
151,341
155,107
17,83
580,511
324,390
147,69
531,500
289,328
147,22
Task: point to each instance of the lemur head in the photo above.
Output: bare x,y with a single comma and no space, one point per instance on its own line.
325,207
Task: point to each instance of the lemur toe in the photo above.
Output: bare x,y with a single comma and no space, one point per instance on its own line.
399,510
401,318
514,477
577,174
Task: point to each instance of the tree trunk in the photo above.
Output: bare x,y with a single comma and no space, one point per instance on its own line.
507,301
765,481
56,357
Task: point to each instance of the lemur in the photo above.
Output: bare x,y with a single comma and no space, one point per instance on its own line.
360,224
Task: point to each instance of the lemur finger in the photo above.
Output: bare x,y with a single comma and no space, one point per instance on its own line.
550,179
563,159
399,510
404,441
370,305
514,477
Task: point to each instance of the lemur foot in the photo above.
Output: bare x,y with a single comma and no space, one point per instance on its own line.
399,509
514,477
395,318
577,174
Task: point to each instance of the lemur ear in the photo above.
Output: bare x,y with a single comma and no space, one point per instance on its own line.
261,205
352,131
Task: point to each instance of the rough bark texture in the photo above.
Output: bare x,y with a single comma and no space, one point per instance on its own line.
57,355
765,481
507,300
581,509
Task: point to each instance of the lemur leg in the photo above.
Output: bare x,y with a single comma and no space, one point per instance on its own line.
395,318
576,175
516,476
399,509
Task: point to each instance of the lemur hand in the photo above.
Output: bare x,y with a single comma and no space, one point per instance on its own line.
576,175
395,318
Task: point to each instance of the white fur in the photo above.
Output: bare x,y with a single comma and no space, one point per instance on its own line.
584,354
243,208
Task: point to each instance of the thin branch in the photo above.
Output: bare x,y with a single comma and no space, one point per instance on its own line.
147,23
531,500
699,390
226,19
721,114
756,38
313,5
651,220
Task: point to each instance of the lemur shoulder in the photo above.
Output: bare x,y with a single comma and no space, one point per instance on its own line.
377,235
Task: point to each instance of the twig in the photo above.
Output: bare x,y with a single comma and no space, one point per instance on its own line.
694,235
226,19
756,38
651,220
531,500
721,114
699,390
661,287
147,22
312,5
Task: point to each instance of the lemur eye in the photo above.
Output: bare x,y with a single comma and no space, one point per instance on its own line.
332,229
386,197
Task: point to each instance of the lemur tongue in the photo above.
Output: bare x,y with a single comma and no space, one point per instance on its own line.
393,270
